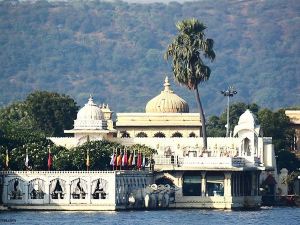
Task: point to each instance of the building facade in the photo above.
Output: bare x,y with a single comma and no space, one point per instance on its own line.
226,175
294,116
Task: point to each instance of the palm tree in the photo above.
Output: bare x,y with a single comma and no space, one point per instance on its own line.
187,50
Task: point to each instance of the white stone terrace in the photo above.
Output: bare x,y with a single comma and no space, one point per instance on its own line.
204,163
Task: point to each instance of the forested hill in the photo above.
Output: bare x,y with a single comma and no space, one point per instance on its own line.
114,50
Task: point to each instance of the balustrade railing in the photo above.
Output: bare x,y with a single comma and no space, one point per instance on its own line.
213,162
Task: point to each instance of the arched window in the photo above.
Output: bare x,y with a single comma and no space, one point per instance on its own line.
159,135
246,146
16,189
192,134
125,135
58,188
36,189
100,189
141,134
177,134
78,189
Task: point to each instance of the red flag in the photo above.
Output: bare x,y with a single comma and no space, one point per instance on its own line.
139,160
49,160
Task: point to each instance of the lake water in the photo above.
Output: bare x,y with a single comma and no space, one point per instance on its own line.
268,215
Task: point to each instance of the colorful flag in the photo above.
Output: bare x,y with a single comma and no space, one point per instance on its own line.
133,159
125,159
6,159
119,159
112,159
130,159
116,157
88,160
139,160
26,160
49,160
144,161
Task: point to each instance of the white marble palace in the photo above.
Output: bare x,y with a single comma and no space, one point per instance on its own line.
225,176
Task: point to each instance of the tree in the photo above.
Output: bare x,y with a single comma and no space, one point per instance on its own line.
288,160
75,158
51,112
236,110
277,126
216,125
187,51
37,154
17,127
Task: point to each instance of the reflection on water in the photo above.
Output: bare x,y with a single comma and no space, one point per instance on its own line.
267,215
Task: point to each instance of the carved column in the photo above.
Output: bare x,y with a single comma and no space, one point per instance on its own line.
227,184
253,184
203,184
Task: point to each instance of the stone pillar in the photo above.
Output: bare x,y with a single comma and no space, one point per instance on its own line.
203,184
89,189
68,192
26,197
47,190
234,192
253,184
227,184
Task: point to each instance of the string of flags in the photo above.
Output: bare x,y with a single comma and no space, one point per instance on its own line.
120,159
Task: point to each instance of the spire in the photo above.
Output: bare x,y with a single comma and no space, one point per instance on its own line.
91,98
91,101
167,85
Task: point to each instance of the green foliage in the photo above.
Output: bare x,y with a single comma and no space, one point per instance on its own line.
236,110
42,114
17,127
187,51
291,178
37,154
99,47
75,158
288,160
215,128
277,126
67,159
52,112
216,125
143,149
273,124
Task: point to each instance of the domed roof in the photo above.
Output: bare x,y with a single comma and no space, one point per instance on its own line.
167,102
247,121
90,111
248,118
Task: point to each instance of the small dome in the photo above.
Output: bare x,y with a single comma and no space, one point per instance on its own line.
248,118
90,111
167,102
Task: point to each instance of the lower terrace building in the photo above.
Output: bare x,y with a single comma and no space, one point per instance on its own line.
225,176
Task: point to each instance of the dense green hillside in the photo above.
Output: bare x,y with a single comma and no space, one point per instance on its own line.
114,50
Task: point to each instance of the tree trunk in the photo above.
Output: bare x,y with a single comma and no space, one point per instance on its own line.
202,117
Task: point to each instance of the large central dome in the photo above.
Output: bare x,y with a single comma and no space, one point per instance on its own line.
167,102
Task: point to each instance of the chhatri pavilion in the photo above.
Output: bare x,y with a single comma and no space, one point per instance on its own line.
227,175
